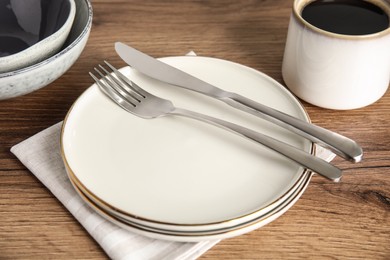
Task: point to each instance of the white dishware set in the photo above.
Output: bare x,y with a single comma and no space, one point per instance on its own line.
135,154
179,179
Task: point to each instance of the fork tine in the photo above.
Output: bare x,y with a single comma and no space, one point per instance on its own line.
101,83
123,85
95,78
125,79
114,84
117,85
110,92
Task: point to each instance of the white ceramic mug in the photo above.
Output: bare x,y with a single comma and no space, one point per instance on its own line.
332,70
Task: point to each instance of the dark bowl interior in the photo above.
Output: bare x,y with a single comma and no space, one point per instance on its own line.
24,23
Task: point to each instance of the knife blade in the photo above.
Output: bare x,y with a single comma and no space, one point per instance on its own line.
149,66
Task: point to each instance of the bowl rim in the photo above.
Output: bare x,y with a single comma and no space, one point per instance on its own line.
56,34
84,32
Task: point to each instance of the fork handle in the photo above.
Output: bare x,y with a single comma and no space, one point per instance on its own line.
305,159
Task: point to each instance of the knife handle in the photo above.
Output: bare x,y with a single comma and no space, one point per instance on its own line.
339,144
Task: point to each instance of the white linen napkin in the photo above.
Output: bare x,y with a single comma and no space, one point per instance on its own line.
41,155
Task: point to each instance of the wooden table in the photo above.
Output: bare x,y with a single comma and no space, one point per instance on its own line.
343,220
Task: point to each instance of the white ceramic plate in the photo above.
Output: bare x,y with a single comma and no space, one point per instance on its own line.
178,171
173,228
216,234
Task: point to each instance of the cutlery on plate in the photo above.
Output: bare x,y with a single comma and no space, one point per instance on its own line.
341,145
139,102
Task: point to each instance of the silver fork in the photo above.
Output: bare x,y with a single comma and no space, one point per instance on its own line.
141,103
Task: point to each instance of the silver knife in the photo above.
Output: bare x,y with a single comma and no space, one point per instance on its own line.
340,145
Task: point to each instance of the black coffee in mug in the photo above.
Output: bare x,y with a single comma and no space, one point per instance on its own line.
350,17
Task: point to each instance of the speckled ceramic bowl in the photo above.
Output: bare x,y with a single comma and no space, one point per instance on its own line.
36,76
32,31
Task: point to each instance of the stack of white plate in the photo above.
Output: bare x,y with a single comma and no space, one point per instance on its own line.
178,179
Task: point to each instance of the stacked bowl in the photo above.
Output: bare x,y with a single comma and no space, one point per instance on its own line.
39,42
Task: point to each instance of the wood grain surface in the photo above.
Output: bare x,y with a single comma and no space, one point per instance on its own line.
346,220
